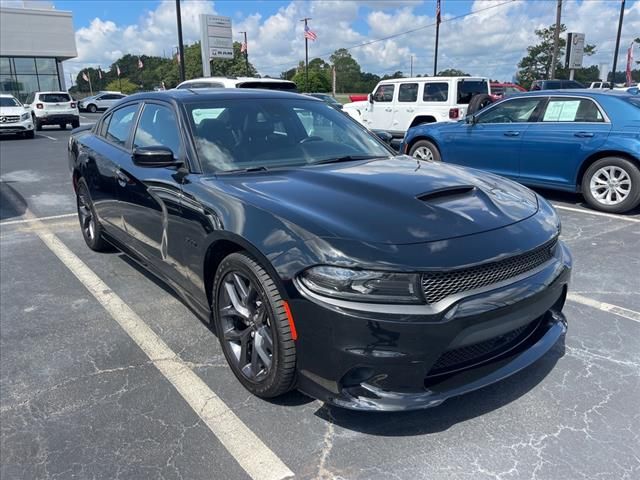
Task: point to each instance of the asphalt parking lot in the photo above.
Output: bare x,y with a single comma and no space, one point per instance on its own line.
105,374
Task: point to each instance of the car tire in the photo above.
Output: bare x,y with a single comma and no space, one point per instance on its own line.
90,226
425,150
478,102
75,124
30,134
253,327
38,123
92,108
620,196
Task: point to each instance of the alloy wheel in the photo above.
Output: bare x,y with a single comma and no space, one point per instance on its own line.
87,220
610,185
246,326
423,153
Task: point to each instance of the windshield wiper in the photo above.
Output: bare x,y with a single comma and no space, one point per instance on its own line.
348,158
246,170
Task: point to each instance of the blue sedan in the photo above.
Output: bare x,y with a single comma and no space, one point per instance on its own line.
580,141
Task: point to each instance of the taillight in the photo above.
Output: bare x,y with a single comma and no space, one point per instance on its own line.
73,105
454,113
39,106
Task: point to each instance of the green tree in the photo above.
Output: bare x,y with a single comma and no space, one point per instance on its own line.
536,65
452,72
235,67
123,85
348,71
318,81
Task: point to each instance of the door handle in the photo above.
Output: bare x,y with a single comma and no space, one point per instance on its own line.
410,110
584,134
123,179
387,109
511,133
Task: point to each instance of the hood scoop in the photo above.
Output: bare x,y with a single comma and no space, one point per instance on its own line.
446,193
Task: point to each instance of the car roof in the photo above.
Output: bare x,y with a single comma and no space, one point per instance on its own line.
188,95
6,95
234,80
53,91
430,79
573,92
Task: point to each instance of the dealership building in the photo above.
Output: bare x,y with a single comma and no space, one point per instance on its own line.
33,45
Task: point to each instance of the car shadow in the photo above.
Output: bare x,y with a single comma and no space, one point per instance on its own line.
451,412
8,198
576,200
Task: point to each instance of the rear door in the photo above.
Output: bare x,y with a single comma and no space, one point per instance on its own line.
494,142
569,130
405,109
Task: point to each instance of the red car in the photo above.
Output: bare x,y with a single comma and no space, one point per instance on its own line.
499,90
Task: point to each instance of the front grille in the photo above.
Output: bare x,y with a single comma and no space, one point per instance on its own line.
9,119
438,285
467,356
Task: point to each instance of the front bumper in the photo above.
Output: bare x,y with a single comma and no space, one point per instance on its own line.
16,127
405,361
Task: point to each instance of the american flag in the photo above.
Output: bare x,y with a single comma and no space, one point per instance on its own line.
85,77
309,34
140,64
243,47
118,69
438,13
629,62
100,74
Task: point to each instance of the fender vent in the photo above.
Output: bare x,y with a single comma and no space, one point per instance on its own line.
441,193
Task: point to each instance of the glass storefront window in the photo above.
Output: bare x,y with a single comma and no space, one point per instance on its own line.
21,76
46,66
24,65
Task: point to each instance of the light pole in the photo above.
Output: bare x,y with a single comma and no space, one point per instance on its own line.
180,44
615,55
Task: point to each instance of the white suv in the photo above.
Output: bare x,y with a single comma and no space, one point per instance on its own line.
240,82
100,101
401,103
14,117
53,108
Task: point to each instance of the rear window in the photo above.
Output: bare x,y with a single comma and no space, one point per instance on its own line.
54,97
468,88
435,92
287,86
408,92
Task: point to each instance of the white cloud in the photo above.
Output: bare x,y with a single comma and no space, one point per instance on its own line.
490,42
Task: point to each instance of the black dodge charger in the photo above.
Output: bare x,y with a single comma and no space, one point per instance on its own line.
324,261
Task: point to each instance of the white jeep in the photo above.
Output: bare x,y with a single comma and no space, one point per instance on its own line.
401,103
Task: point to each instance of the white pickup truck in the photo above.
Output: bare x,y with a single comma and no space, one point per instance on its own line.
401,103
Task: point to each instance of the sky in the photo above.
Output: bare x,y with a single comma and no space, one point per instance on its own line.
488,38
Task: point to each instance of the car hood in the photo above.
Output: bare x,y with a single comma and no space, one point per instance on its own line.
12,110
395,201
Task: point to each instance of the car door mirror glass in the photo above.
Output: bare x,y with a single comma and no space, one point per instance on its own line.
154,157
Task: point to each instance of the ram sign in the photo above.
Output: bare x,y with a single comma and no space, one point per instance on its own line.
216,40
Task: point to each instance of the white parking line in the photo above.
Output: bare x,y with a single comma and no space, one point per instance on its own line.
605,307
248,450
37,219
47,136
599,214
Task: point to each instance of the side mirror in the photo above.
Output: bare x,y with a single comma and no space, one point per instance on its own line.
471,119
154,157
386,137
370,98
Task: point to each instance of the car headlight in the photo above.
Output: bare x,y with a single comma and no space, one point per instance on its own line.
25,116
363,285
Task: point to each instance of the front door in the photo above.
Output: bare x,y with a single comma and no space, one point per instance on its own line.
494,141
379,114
150,197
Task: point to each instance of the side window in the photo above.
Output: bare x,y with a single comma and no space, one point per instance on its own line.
511,111
435,92
572,110
158,126
120,124
104,125
408,92
384,93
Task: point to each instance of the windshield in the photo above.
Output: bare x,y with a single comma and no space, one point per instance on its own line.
266,133
8,102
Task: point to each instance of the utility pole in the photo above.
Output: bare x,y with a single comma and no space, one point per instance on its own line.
556,41
438,20
411,74
180,44
615,55
245,47
306,54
